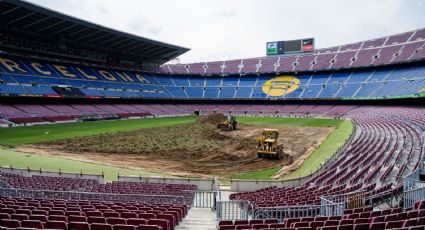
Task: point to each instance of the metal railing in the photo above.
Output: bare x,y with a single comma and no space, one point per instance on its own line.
281,213
413,190
233,210
329,206
411,180
204,199
72,195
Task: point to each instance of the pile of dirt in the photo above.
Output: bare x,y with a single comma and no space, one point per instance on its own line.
213,118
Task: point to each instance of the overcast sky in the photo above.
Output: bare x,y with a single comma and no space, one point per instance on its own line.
229,29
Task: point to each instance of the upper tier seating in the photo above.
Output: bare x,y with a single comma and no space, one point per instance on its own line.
22,77
396,48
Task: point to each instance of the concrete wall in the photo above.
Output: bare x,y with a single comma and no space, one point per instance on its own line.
28,173
252,185
203,184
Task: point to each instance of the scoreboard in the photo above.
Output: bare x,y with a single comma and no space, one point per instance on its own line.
288,47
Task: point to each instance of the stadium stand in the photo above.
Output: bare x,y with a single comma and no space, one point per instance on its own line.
359,218
45,113
404,47
82,214
45,183
387,146
31,78
65,213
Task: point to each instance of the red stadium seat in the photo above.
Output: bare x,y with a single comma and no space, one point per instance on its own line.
149,227
124,227
10,223
32,224
226,227
56,225
79,225
98,226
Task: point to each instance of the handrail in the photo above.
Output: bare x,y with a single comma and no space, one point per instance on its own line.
284,212
74,195
411,191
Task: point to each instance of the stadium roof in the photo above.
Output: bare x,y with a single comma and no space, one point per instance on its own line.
25,16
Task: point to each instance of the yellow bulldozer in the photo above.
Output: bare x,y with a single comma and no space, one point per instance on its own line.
267,145
228,125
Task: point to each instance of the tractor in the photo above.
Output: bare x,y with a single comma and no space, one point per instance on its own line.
228,125
267,145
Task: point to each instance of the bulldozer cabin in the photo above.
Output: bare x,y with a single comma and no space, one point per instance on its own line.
267,145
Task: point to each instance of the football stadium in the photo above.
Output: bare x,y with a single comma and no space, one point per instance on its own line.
102,129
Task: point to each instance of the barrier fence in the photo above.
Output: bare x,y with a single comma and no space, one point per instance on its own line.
66,195
203,199
414,190
282,213
411,180
234,210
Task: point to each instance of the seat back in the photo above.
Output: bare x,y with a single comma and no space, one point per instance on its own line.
56,224
10,223
123,227
99,226
78,226
149,227
165,225
32,224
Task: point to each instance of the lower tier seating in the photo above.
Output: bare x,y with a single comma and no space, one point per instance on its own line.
353,219
95,215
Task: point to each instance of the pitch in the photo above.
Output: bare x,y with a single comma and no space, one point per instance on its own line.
181,148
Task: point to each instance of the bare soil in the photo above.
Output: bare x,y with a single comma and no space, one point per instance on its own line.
194,149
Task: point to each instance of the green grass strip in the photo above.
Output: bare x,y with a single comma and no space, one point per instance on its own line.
36,162
328,147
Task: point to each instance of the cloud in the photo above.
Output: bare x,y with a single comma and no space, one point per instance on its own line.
154,30
226,13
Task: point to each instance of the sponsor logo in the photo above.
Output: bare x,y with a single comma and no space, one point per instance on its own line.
280,86
421,90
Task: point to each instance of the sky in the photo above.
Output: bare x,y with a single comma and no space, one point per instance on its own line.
231,29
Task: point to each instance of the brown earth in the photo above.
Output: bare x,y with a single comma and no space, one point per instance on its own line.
194,149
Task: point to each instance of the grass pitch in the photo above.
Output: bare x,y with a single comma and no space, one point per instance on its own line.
34,134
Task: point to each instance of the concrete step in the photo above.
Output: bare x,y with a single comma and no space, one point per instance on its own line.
198,219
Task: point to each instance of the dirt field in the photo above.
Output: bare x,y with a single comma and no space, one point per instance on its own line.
194,149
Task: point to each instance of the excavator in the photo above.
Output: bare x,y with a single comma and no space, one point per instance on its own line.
229,124
267,145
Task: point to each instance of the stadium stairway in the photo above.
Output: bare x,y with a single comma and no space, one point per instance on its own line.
199,219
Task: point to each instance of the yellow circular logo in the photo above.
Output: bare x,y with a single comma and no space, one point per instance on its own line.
281,85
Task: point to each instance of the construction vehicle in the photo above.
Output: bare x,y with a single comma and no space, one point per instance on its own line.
229,124
267,145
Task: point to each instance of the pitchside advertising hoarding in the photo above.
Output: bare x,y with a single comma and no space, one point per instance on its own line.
288,47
